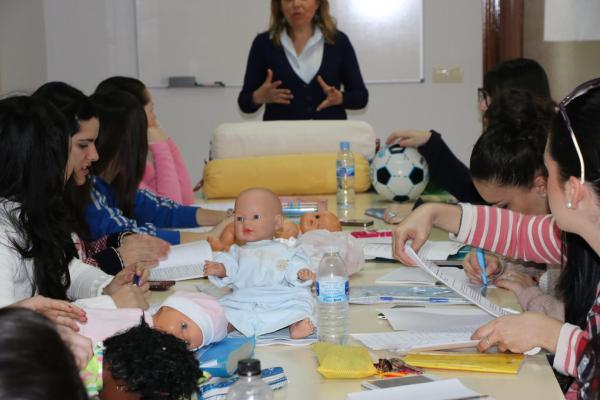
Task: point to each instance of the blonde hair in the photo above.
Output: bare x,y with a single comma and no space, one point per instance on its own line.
322,19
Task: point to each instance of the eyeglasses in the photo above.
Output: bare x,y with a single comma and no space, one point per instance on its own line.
482,95
578,91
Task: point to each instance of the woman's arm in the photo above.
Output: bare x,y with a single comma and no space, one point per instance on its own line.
355,93
185,183
256,73
165,181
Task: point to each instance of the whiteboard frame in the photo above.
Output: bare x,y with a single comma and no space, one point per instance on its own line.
420,79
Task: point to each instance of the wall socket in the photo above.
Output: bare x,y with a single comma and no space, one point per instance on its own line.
452,74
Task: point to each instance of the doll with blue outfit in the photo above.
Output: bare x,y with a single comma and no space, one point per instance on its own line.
270,280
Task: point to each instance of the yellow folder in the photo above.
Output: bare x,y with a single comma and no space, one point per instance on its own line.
499,363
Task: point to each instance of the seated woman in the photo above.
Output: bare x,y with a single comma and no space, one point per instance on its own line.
165,173
117,204
36,249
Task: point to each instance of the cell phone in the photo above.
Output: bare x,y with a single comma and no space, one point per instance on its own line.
393,382
356,222
375,212
160,286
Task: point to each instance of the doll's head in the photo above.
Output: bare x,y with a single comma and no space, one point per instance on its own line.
320,220
258,215
143,363
196,318
288,230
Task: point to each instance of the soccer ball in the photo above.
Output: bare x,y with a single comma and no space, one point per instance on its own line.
399,173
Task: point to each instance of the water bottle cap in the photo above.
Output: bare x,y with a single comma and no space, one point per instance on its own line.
344,145
248,367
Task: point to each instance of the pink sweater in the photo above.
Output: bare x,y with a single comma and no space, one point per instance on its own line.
167,175
531,238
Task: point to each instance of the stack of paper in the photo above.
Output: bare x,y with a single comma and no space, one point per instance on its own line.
405,294
497,363
404,342
431,250
185,261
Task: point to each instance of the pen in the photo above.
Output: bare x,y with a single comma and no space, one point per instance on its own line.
136,280
430,299
481,261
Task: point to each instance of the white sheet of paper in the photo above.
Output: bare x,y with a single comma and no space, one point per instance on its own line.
405,341
434,319
185,261
219,206
437,390
407,276
459,286
431,250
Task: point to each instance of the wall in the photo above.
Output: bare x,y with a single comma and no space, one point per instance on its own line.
566,63
22,46
88,40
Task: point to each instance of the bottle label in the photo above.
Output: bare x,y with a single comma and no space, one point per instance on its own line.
333,291
345,171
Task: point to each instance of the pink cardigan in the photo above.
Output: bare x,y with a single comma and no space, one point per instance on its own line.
167,175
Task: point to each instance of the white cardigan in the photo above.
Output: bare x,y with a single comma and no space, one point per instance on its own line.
16,274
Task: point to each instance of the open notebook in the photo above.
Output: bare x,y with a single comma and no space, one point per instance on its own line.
185,261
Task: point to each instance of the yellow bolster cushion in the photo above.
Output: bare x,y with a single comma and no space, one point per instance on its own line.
294,174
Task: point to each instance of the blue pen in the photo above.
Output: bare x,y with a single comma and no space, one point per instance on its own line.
136,280
481,261
430,299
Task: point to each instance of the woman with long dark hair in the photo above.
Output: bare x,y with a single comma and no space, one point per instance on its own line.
117,204
37,253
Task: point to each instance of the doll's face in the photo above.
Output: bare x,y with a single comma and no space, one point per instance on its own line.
289,230
113,389
169,320
257,216
320,220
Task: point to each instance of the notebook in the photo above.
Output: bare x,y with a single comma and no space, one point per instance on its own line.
498,363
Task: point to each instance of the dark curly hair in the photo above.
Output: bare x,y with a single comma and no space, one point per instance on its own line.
154,364
517,73
510,152
34,147
35,364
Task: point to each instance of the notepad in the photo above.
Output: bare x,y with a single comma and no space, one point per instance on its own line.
498,363
406,341
405,294
435,318
185,261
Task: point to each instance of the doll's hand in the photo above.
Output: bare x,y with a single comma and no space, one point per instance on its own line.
515,281
334,96
80,346
58,311
212,268
156,134
306,274
410,138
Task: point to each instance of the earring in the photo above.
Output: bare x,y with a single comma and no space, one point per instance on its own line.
569,205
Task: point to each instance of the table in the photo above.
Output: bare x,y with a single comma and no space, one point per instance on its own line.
534,380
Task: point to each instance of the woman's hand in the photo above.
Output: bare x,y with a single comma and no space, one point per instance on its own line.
269,92
410,138
80,346
519,333
515,281
395,213
334,96
127,295
157,134
143,251
473,269
58,311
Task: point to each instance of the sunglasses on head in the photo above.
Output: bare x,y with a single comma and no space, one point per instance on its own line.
577,92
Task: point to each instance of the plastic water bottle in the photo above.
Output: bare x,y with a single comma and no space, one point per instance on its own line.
332,298
250,386
344,169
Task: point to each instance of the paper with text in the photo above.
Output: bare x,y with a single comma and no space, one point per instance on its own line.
185,261
461,287
405,341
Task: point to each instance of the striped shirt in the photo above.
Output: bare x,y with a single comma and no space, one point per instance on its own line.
531,238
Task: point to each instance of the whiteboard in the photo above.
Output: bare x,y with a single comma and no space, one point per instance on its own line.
210,39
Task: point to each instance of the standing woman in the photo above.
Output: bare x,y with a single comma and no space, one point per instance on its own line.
298,67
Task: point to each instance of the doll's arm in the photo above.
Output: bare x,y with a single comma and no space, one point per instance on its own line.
230,266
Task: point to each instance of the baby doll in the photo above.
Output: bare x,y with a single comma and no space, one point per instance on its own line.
141,363
196,318
270,280
308,222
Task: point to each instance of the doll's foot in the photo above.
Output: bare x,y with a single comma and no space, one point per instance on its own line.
301,329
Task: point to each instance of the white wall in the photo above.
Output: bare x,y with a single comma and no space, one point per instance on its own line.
22,45
88,40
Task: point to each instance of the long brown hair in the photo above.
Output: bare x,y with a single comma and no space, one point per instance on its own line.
322,19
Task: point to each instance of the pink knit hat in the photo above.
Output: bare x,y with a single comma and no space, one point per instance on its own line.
204,310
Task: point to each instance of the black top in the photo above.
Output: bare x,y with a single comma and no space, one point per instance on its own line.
447,171
338,67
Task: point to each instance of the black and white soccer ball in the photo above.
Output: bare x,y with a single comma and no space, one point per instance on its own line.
399,173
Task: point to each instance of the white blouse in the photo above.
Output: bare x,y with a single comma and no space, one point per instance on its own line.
306,64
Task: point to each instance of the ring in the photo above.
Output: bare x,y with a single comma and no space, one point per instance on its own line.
392,214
